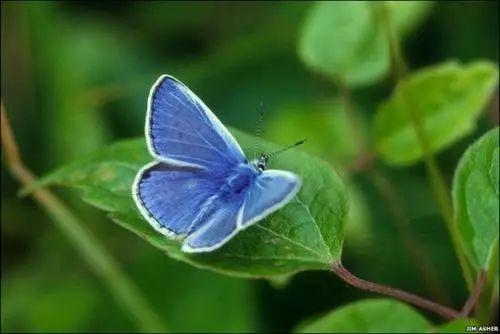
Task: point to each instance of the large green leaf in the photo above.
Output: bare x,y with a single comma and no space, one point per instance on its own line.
475,198
369,316
306,234
345,39
447,98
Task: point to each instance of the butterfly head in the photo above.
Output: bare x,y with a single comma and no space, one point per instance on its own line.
261,163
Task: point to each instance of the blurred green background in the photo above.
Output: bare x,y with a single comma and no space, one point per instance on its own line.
75,76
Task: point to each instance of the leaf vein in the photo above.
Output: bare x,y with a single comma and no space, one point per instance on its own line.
290,240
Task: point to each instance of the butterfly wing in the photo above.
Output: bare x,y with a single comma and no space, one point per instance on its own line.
170,198
180,202
181,129
219,226
181,195
270,191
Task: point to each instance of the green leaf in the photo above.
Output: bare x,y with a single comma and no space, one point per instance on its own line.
407,15
447,98
345,40
475,198
306,234
369,316
455,326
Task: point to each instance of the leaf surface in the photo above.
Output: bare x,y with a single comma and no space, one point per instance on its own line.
475,199
369,316
447,98
345,40
306,234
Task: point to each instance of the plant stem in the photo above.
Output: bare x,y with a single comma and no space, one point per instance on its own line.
436,178
388,193
418,254
486,307
439,188
350,278
398,64
91,250
474,296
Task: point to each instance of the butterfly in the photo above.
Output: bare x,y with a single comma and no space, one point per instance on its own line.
201,189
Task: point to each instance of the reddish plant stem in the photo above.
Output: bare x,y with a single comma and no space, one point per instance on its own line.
475,294
350,278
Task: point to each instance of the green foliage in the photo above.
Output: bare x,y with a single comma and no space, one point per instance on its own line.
447,98
369,316
32,294
306,234
358,231
379,316
407,15
64,83
475,199
29,300
313,122
455,326
345,40
76,76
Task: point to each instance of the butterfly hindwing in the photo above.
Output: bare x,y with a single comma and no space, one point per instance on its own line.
170,197
271,190
220,224
181,129
195,204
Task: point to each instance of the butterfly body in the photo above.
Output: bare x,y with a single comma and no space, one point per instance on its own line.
239,179
201,189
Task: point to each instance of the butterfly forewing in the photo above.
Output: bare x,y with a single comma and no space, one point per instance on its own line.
181,129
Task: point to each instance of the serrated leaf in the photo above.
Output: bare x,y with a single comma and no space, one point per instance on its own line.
345,39
306,234
475,198
448,98
369,316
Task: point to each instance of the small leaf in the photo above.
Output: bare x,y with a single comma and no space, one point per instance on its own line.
475,198
448,99
306,234
345,40
369,316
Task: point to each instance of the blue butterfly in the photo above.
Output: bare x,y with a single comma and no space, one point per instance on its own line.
201,189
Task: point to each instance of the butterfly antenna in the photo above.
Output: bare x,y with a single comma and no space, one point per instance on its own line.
259,130
270,155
